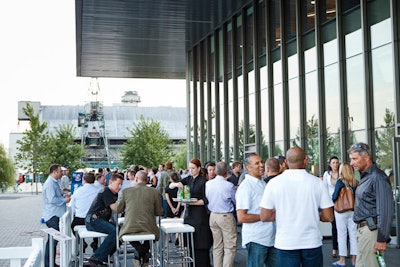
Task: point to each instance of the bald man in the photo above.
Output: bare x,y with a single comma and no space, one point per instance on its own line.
297,201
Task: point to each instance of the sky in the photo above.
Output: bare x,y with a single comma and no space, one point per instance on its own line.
38,63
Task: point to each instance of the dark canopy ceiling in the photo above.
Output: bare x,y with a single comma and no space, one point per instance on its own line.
143,38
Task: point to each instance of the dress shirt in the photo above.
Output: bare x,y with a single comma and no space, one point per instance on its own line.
53,203
221,195
374,198
82,199
98,185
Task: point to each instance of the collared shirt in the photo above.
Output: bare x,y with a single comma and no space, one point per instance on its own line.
374,198
248,197
53,203
220,194
98,185
82,199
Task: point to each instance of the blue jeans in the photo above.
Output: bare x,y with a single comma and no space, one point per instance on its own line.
304,257
108,246
258,255
165,207
53,222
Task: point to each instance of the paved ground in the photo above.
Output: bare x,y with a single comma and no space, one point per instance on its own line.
20,221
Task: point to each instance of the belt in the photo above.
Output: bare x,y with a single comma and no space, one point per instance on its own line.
222,212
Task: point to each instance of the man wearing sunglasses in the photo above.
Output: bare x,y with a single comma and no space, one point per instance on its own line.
373,206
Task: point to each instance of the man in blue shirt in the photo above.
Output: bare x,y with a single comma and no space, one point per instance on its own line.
221,199
53,205
373,208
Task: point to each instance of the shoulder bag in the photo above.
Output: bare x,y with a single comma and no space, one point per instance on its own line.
345,201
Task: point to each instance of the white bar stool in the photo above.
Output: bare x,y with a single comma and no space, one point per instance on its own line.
140,238
84,233
183,252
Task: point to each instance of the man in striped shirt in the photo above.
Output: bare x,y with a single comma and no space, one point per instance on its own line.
373,205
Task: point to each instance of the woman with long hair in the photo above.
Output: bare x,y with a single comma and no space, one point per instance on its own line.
330,178
196,213
344,221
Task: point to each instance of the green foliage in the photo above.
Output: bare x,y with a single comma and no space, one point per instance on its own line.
180,158
7,172
148,145
384,139
31,150
63,150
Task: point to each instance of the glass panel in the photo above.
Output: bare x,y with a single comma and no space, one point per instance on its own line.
353,43
308,8
239,45
384,105
275,17
381,33
330,10
261,37
312,120
249,35
290,20
264,112
293,66
252,99
278,109
330,52
310,56
294,110
277,72
332,104
356,99
231,115
240,117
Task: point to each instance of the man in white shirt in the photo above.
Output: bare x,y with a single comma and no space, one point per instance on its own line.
81,201
64,181
258,237
297,201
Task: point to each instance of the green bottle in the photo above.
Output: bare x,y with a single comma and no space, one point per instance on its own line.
381,260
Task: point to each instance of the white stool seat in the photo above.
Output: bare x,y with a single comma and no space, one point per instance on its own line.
172,220
84,233
81,234
138,237
184,254
170,228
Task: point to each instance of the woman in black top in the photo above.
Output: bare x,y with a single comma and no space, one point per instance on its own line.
196,213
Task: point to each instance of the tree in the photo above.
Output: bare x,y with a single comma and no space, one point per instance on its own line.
7,172
180,158
148,145
31,151
384,139
63,150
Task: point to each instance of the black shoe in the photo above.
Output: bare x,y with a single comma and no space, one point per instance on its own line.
177,242
96,262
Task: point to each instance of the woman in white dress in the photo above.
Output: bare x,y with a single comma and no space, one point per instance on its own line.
330,178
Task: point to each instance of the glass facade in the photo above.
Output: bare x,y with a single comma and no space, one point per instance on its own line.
271,81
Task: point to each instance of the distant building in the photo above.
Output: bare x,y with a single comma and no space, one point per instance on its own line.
105,129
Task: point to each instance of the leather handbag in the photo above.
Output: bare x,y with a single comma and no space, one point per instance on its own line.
345,201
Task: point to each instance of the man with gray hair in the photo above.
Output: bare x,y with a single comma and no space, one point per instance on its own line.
221,199
373,208
258,237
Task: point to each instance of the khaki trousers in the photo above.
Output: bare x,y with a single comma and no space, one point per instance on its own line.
366,240
223,228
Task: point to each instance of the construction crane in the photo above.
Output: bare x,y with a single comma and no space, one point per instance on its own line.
93,134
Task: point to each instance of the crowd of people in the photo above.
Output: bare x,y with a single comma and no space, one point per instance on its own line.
277,202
